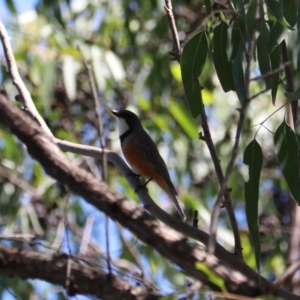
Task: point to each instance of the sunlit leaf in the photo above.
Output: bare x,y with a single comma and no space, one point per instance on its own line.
212,276
253,157
183,119
275,8
207,96
176,71
222,65
289,11
70,70
248,253
286,148
192,62
114,65
48,83
277,34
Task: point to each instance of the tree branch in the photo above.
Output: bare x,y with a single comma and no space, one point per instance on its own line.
177,50
28,264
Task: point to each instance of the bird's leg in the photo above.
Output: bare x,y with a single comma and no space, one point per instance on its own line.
143,186
131,173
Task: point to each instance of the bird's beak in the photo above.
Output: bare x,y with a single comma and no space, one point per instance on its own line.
115,112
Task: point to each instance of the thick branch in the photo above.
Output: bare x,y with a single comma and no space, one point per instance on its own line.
83,279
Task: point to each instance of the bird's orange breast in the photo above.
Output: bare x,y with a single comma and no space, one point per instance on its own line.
141,165
138,163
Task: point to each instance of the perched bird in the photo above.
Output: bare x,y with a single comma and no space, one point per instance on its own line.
142,154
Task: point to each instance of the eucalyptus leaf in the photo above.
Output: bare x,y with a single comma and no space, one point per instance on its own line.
289,11
253,157
238,75
297,126
222,65
293,95
275,63
192,62
275,8
286,148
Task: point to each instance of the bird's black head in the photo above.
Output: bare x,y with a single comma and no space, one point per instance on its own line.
131,119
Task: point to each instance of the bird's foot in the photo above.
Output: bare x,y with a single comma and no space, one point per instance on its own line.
143,186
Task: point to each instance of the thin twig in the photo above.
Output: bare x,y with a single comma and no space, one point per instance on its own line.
24,95
272,73
102,143
86,236
131,247
15,180
169,9
288,274
220,175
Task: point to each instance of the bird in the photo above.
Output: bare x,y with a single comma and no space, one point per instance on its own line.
142,154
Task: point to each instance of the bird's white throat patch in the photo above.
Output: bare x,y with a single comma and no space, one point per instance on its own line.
122,126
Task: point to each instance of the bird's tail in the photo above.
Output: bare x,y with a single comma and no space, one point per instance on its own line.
179,209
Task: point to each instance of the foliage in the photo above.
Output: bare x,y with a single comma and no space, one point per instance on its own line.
238,61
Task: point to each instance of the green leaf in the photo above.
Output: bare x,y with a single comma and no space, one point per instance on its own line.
222,65
263,52
11,6
183,119
192,62
70,70
58,15
286,148
277,34
293,95
238,75
250,16
238,5
212,276
289,11
48,83
275,8
297,126
207,4
253,157
275,63
237,30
